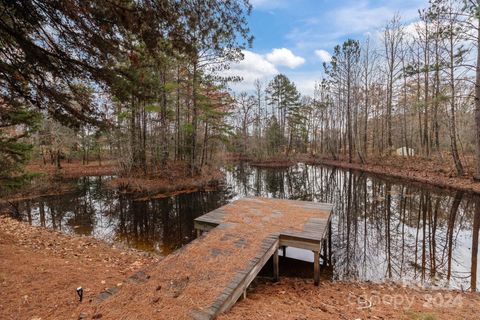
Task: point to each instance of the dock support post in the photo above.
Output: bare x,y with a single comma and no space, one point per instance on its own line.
284,249
275,266
244,294
330,243
316,268
198,233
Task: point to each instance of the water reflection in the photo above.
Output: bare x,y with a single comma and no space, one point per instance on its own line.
383,228
90,209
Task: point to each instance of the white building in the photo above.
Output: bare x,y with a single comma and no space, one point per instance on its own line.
405,152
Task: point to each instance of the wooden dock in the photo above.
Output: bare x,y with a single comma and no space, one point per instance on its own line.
313,235
207,276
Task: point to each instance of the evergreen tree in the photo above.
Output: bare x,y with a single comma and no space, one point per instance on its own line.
274,136
16,124
284,98
135,57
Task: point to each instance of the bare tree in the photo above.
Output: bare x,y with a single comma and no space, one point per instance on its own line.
392,38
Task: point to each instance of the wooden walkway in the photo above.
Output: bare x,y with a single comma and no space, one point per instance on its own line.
274,220
207,276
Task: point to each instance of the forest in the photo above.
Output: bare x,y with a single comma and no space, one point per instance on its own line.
171,159
413,87
143,83
135,81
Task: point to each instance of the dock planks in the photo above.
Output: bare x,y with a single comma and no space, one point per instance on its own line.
307,236
207,276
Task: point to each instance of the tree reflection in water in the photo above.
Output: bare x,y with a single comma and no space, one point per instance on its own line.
383,228
161,225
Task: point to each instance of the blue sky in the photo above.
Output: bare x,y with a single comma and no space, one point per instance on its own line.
294,37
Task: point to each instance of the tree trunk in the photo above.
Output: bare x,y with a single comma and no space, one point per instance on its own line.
205,144
133,135
193,135
476,227
349,118
58,155
177,117
452,124
426,98
163,120
477,106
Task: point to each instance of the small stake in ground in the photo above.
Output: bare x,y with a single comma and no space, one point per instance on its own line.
80,293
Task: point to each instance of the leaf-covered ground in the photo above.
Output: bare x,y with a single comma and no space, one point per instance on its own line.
40,270
437,171
299,299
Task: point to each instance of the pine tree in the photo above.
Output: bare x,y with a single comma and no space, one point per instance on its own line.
274,136
284,98
17,124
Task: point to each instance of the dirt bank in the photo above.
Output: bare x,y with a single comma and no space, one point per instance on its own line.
52,181
431,171
76,169
40,270
273,162
43,186
173,180
299,299
279,163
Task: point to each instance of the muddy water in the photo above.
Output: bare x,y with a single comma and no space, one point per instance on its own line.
382,228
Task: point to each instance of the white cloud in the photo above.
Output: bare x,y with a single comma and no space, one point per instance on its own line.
285,57
361,18
305,81
257,66
253,66
351,18
323,55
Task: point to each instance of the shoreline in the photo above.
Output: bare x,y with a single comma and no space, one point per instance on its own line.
68,261
173,180
163,186
433,172
424,177
293,298
76,169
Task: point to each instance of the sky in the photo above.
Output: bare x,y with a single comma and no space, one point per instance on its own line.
295,37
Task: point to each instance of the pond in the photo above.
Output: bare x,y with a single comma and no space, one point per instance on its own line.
383,229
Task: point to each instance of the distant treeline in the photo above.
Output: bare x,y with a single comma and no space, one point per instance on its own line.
414,86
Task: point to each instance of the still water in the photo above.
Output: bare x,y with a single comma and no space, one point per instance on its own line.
383,229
